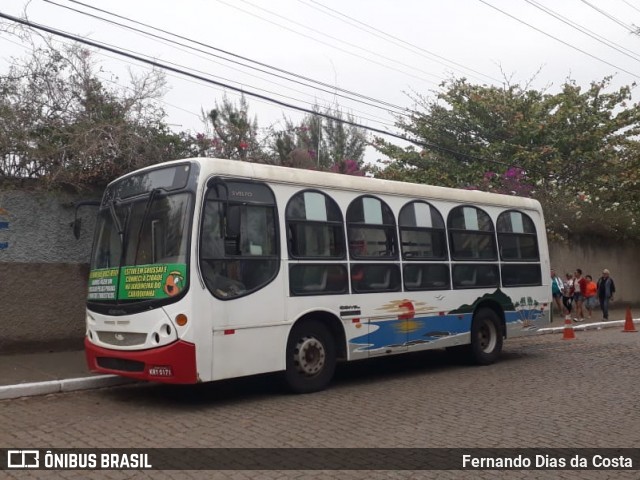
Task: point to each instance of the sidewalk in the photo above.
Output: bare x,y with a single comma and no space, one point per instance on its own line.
43,373
23,375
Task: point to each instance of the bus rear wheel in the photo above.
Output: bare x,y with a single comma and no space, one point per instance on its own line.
311,357
486,337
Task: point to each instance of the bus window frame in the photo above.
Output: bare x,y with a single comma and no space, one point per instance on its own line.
491,234
391,242
340,225
209,185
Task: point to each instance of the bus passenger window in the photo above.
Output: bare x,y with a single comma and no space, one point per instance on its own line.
238,243
314,226
517,237
422,232
518,241
370,278
310,279
371,229
475,276
426,276
471,234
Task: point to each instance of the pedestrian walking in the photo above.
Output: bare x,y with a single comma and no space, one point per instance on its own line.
557,287
579,284
590,295
606,289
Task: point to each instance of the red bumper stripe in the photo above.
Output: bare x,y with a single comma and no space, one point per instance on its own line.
179,356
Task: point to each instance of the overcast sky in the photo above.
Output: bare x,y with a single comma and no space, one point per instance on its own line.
413,46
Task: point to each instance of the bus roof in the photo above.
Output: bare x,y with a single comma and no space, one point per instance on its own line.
311,178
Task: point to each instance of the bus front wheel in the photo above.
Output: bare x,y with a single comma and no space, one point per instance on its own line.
486,337
311,357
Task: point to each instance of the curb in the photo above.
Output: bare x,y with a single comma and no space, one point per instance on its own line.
587,326
58,386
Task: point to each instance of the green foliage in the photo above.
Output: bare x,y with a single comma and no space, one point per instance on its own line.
321,143
576,151
230,133
60,122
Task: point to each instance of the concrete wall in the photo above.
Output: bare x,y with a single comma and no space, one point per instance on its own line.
43,268
593,255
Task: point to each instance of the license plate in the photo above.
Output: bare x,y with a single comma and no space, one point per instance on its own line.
160,371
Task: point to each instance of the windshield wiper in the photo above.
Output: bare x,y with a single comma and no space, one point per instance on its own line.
116,220
147,209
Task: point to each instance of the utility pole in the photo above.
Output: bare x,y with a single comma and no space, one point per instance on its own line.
319,137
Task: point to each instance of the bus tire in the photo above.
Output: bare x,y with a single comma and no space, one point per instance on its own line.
486,337
311,357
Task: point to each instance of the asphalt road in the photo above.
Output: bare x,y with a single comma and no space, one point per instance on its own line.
545,392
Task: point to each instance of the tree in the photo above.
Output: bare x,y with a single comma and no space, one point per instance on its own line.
60,122
230,133
570,150
323,142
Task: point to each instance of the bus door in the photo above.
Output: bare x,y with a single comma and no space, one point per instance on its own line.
240,263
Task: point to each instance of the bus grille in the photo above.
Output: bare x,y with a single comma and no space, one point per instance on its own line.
123,339
120,364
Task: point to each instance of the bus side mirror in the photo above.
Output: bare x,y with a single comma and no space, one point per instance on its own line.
76,225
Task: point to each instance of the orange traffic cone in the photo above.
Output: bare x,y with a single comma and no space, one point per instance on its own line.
568,333
628,322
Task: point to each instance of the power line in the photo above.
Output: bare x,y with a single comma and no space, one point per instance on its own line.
376,32
389,67
401,110
610,17
334,38
559,40
157,64
374,119
635,8
364,115
104,79
584,30
171,68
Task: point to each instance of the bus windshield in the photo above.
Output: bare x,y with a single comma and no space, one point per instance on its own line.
140,250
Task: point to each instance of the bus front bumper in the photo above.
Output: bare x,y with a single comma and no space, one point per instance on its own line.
174,363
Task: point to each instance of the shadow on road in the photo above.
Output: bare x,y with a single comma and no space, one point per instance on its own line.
259,387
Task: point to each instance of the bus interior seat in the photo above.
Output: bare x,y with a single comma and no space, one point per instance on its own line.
384,284
415,283
471,281
318,286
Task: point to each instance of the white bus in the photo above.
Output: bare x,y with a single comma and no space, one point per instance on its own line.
207,269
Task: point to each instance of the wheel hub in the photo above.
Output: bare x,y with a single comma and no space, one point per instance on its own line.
309,356
487,338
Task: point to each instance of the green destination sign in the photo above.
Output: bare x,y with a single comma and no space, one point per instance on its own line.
139,282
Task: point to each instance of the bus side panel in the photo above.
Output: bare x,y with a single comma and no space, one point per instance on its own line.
532,310
197,328
408,322
423,321
249,351
248,334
